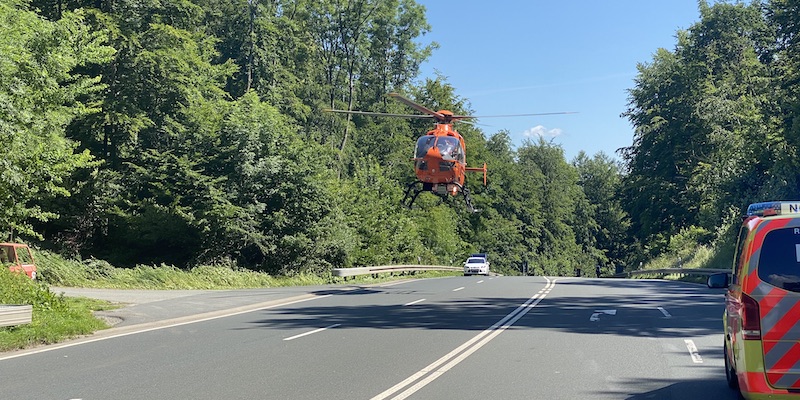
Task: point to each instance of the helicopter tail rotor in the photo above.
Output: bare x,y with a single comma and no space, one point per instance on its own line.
479,170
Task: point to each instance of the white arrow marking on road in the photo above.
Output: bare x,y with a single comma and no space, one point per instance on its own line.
693,351
597,313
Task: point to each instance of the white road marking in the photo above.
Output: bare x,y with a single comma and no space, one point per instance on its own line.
665,312
394,283
414,302
442,365
457,289
693,351
480,281
312,332
158,325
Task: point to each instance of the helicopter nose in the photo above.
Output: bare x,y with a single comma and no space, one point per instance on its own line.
434,153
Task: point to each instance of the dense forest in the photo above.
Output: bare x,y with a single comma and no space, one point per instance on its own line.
191,132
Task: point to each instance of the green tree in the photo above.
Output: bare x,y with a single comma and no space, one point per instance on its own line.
702,115
558,252
601,180
40,96
385,232
270,172
659,162
784,59
512,208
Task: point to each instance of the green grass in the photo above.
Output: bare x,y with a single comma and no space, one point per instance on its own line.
55,318
699,256
93,273
696,257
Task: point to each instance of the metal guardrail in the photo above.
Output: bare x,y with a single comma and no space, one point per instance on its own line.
671,271
345,272
11,315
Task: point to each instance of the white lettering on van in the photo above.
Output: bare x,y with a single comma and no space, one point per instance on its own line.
797,252
797,231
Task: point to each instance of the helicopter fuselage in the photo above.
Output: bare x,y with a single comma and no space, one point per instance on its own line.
439,156
440,161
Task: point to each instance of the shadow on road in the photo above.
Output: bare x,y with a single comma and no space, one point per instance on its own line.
669,310
693,310
699,389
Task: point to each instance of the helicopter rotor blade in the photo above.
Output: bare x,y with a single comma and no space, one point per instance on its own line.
522,115
442,116
418,107
467,120
379,114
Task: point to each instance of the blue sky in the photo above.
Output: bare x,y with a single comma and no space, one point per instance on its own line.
537,56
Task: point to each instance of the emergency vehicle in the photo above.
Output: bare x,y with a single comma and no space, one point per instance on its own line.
762,304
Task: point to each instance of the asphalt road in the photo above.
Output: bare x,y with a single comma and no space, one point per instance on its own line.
460,337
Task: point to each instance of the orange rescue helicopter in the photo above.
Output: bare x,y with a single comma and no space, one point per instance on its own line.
440,155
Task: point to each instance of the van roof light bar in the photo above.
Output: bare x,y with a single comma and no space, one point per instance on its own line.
770,208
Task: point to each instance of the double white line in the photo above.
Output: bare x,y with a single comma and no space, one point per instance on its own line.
444,364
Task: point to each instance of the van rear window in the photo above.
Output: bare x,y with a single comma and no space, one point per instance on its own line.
779,263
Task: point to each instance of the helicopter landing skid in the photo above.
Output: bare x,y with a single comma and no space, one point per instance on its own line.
413,190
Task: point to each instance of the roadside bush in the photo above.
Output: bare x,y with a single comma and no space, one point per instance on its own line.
54,318
55,270
19,289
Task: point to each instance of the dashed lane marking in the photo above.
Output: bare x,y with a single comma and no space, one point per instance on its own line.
311,332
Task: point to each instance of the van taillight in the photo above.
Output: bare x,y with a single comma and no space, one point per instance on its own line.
751,320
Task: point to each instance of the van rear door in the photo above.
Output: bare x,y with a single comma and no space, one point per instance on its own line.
777,292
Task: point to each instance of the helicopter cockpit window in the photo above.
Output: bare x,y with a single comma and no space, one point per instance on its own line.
450,148
423,145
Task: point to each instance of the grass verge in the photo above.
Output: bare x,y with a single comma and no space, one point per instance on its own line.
93,273
700,256
55,318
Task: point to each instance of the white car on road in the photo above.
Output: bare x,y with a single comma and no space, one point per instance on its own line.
476,266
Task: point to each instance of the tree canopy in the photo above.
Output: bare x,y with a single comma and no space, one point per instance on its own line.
191,132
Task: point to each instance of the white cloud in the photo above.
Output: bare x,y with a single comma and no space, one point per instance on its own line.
541,131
